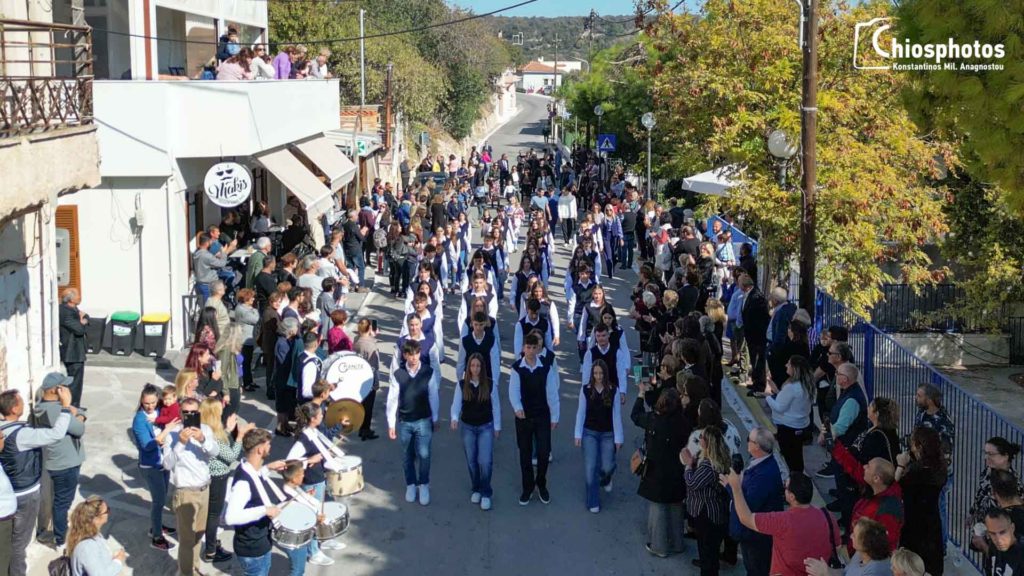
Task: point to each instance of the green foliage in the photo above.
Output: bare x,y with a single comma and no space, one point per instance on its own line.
441,74
733,75
539,34
984,107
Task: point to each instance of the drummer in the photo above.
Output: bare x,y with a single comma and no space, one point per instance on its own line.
315,450
294,482
253,503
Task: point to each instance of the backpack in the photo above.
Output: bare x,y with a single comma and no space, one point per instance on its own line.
380,238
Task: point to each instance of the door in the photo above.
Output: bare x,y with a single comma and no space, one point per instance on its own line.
67,219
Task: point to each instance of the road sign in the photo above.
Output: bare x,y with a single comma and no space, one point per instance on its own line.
606,142
361,147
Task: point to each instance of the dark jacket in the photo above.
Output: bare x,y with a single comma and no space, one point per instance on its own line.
764,492
688,296
665,436
72,335
749,264
780,325
755,318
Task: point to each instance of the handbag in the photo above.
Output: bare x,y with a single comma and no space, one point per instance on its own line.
833,560
60,566
638,461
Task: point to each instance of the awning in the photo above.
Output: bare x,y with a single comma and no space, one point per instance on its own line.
335,165
716,182
316,197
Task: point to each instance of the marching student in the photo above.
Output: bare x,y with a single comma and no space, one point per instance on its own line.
482,340
430,349
425,274
412,412
253,503
434,254
495,256
591,315
431,319
599,431
533,320
477,404
614,356
310,366
547,309
294,475
578,298
533,392
521,282
480,264
480,290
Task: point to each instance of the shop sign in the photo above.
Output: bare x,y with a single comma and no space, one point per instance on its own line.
228,184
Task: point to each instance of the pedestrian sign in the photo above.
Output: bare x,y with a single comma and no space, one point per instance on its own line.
606,142
361,147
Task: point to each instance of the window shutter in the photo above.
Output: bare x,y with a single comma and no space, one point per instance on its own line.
67,219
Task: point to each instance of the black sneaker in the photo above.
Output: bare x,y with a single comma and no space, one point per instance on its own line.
545,497
524,498
825,471
160,543
221,555
168,531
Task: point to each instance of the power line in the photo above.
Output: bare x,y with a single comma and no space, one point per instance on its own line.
330,40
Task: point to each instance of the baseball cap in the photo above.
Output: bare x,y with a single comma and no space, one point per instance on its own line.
55,379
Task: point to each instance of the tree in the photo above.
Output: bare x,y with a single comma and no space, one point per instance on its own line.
982,107
732,75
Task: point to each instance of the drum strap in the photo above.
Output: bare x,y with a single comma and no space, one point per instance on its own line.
326,448
258,480
303,498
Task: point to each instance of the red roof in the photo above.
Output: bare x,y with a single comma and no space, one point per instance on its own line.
538,68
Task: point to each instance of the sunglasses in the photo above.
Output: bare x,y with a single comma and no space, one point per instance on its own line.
189,412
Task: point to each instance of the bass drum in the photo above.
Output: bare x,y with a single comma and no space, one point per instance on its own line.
351,375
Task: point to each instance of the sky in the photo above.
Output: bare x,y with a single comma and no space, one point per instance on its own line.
551,7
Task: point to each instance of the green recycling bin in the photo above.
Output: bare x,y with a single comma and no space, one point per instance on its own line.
154,334
122,332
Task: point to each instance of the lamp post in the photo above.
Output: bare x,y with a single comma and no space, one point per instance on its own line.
780,147
599,111
649,122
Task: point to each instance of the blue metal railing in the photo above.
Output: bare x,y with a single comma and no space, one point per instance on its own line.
892,371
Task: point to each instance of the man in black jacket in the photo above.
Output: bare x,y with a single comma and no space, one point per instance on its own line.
755,331
747,260
72,341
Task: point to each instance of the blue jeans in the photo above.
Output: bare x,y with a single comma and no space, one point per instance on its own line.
598,463
629,241
415,437
478,442
318,491
356,261
297,560
65,483
258,565
944,508
156,481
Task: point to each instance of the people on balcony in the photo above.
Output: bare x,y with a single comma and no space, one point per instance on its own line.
236,67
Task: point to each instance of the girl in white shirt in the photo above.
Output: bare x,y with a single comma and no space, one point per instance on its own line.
791,410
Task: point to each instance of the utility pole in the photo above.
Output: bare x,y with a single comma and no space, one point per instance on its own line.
808,137
387,108
554,88
362,59
590,49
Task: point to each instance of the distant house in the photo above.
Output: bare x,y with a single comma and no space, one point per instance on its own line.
535,75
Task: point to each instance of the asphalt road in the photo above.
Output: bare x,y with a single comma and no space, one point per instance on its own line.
451,536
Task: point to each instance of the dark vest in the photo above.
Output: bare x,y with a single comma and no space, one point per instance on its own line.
521,281
583,295
425,345
609,358
414,393
484,348
861,423
468,297
542,324
306,360
252,540
476,412
428,323
599,412
315,473
433,286
533,387
23,467
594,314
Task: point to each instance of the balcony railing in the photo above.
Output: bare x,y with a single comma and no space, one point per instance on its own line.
45,77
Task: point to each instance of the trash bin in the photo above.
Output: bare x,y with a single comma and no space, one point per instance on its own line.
154,333
122,332
94,334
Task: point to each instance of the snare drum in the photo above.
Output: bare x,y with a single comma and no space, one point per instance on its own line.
335,521
347,477
294,527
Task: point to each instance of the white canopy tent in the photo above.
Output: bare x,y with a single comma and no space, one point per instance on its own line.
717,181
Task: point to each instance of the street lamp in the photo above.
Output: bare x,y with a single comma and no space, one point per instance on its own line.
649,122
780,147
599,111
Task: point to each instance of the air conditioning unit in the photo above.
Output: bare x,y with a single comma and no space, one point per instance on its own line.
63,256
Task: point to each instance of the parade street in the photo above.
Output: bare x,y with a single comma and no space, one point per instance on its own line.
451,536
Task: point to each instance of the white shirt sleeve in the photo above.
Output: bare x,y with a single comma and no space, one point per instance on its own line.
581,415
308,379
297,451
492,307
392,403
496,407
434,395
554,404
495,364
460,364
617,422
514,394
457,402
517,340
236,514
554,321
622,361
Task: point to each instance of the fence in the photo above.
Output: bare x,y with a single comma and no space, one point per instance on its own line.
891,371
45,76
903,306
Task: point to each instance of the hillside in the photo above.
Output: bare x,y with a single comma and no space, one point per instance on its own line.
539,34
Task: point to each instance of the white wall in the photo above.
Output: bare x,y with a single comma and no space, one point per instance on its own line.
532,82
112,279
253,13
28,301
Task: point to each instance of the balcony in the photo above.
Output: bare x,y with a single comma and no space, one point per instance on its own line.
145,125
45,77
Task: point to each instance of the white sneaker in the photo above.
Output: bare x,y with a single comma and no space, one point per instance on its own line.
321,559
595,509
424,494
475,498
485,503
608,488
333,545
410,493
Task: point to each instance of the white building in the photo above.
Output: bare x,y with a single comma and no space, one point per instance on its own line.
160,134
47,150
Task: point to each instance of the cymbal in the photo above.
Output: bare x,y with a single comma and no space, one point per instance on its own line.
342,411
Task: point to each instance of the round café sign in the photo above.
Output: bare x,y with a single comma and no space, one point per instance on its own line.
228,184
